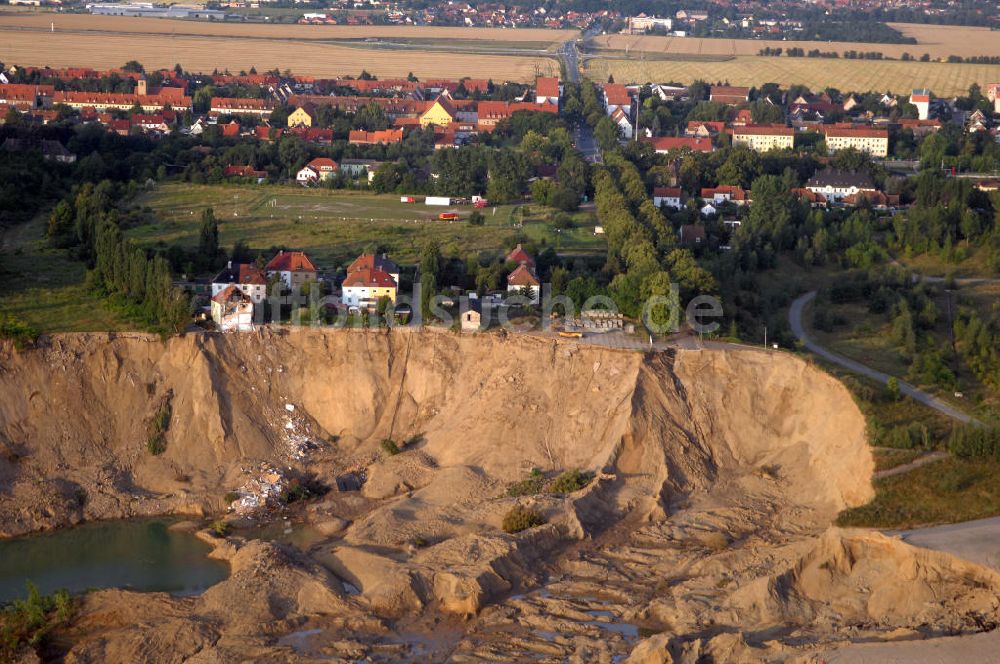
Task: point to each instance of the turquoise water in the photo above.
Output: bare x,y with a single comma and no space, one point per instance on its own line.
138,554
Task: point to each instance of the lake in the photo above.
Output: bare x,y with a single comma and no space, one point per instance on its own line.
137,554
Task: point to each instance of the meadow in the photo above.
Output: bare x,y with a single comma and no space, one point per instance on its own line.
334,226
105,42
943,79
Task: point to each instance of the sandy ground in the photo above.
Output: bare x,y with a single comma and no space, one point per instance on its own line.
704,535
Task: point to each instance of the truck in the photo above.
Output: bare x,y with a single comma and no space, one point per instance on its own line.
448,216
437,200
480,204
407,199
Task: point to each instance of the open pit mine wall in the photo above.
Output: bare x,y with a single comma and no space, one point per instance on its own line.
79,406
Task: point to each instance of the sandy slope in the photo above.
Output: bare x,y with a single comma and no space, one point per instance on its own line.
718,474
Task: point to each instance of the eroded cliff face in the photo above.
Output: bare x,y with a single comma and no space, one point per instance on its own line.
715,471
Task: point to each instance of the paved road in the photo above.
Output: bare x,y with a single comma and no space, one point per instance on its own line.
977,541
583,135
795,319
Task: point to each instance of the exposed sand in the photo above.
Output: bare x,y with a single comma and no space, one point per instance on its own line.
718,473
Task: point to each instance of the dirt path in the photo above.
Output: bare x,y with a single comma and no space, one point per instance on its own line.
907,467
795,320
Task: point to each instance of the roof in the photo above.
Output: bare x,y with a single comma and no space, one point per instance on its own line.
832,177
734,193
855,132
229,293
665,143
522,276
811,196
920,95
243,273
291,261
519,255
322,164
242,104
764,130
445,103
547,86
728,92
367,277
692,232
361,137
617,94
667,192
373,262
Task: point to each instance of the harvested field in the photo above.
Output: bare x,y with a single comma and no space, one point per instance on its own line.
236,54
936,40
863,75
129,25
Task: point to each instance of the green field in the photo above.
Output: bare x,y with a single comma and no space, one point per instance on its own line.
334,226
43,287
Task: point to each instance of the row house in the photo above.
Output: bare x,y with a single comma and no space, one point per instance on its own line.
764,137
25,97
665,144
382,137
873,141
241,106
107,101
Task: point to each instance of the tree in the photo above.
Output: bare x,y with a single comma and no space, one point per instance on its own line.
60,230
133,66
208,239
892,387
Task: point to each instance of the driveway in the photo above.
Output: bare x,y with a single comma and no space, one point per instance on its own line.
795,320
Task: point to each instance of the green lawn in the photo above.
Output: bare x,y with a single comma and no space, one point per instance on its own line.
334,226
43,287
931,265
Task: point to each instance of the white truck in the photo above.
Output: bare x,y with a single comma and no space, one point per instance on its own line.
437,200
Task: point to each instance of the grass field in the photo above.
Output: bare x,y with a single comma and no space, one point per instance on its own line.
937,40
335,226
45,288
108,41
863,75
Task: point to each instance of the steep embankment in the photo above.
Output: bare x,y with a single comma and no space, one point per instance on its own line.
75,414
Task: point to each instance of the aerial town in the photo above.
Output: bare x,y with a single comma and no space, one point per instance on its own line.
467,332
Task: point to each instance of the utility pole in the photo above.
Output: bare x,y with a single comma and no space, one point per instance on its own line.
765,336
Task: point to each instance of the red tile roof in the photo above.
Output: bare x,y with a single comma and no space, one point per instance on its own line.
367,277
522,276
764,130
667,192
519,255
547,86
734,193
291,261
323,165
844,132
358,137
665,143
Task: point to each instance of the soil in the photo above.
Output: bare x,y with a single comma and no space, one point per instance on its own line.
704,536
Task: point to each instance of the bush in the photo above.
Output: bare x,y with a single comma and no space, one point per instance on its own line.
529,487
231,497
476,218
26,623
975,442
389,447
156,444
910,436
302,489
570,481
521,518
219,528
156,439
15,329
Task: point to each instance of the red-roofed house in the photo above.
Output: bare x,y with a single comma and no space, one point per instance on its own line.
523,280
359,137
245,172
231,129
240,106
321,168
724,193
664,144
245,276
547,90
363,288
521,257
872,141
815,198
729,94
669,196
294,268
375,262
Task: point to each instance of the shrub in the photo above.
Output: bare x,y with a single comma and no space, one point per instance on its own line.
389,447
156,439
975,442
26,623
231,497
570,481
219,528
521,518
529,487
156,444
419,542
15,329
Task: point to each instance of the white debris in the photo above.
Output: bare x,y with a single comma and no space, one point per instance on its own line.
290,407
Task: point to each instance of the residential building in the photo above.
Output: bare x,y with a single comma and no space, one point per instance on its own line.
665,144
355,168
105,101
303,116
637,25
472,317
729,94
692,233
519,256
993,94
319,169
523,280
669,196
441,113
814,199
25,97
618,96
764,137
873,141
241,106
247,171
834,185
725,194
51,150
921,98
244,276
232,310
624,123
375,262
385,137
293,267
548,90
369,279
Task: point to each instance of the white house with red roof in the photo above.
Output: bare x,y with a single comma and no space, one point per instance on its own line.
232,310
317,170
669,196
293,268
368,280
921,98
548,90
246,277
523,280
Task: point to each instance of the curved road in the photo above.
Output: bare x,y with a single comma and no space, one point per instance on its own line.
795,320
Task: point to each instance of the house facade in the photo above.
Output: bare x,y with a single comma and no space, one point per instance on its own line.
669,196
317,170
764,137
232,310
836,185
364,287
293,268
873,141
246,277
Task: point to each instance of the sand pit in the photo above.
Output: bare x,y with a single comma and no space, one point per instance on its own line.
716,476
